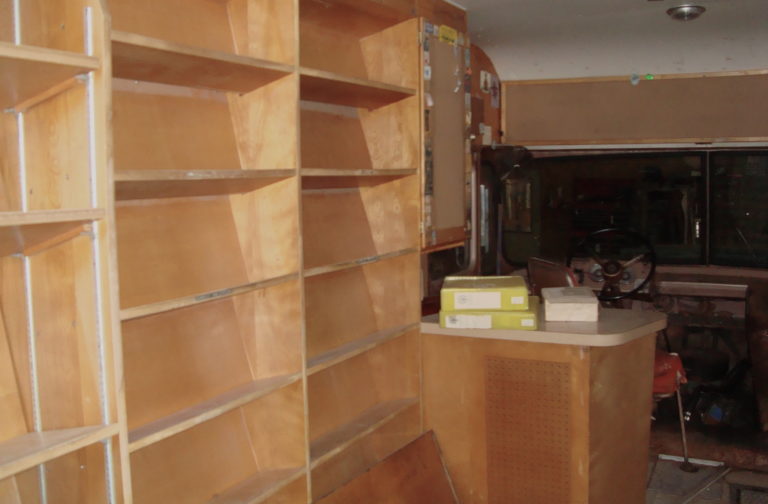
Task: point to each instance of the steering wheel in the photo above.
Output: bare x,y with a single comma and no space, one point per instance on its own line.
614,250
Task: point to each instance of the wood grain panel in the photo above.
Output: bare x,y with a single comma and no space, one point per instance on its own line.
192,246
222,453
264,29
352,224
58,174
663,110
365,452
348,305
67,345
204,23
160,127
340,393
265,125
414,474
10,197
56,25
620,409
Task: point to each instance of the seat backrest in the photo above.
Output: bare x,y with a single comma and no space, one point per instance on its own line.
543,273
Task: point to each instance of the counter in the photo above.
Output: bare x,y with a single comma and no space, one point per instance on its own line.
557,415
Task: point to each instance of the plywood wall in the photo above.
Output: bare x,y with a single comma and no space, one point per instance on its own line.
703,108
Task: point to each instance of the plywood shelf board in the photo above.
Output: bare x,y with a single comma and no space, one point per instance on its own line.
344,352
26,451
260,487
321,178
29,71
149,59
173,304
337,440
31,232
207,410
331,268
327,87
141,184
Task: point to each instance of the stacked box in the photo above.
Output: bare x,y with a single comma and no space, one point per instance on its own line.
487,303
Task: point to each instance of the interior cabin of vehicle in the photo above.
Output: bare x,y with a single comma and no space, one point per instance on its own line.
231,233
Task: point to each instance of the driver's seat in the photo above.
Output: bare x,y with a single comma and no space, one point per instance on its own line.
543,273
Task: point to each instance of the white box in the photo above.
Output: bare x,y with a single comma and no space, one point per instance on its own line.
570,304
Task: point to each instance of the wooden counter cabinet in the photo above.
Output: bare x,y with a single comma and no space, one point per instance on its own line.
528,422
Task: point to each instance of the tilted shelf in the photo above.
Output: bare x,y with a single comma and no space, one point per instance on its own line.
354,348
260,487
149,184
322,178
26,451
328,87
29,71
149,59
29,232
322,270
173,304
334,442
212,408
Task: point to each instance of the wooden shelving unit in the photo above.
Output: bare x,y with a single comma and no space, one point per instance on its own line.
359,119
62,421
208,242
231,314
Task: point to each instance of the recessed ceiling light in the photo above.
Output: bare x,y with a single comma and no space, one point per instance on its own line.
686,12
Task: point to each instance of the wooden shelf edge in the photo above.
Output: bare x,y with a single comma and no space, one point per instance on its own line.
22,52
327,172
260,487
183,302
321,179
341,266
328,87
354,348
27,451
156,60
35,217
185,419
161,184
198,175
336,441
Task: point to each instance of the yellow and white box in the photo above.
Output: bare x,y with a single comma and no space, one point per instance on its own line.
570,304
484,293
489,319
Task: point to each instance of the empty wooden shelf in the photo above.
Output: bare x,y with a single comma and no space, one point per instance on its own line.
28,450
148,59
29,71
326,87
145,184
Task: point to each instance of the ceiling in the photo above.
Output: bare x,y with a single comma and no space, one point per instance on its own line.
545,39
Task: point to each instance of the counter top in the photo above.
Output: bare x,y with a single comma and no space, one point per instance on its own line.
614,327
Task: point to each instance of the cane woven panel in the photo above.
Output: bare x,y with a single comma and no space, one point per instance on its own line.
528,431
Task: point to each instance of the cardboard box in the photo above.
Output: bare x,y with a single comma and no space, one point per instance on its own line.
484,293
492,319
570,304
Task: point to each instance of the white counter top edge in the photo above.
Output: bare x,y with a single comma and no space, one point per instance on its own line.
615,327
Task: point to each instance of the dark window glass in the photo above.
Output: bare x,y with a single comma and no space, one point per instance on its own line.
659,195
739,209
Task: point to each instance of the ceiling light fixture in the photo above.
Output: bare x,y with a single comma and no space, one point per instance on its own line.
686,12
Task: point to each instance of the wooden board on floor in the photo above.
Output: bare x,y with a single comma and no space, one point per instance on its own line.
415,474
